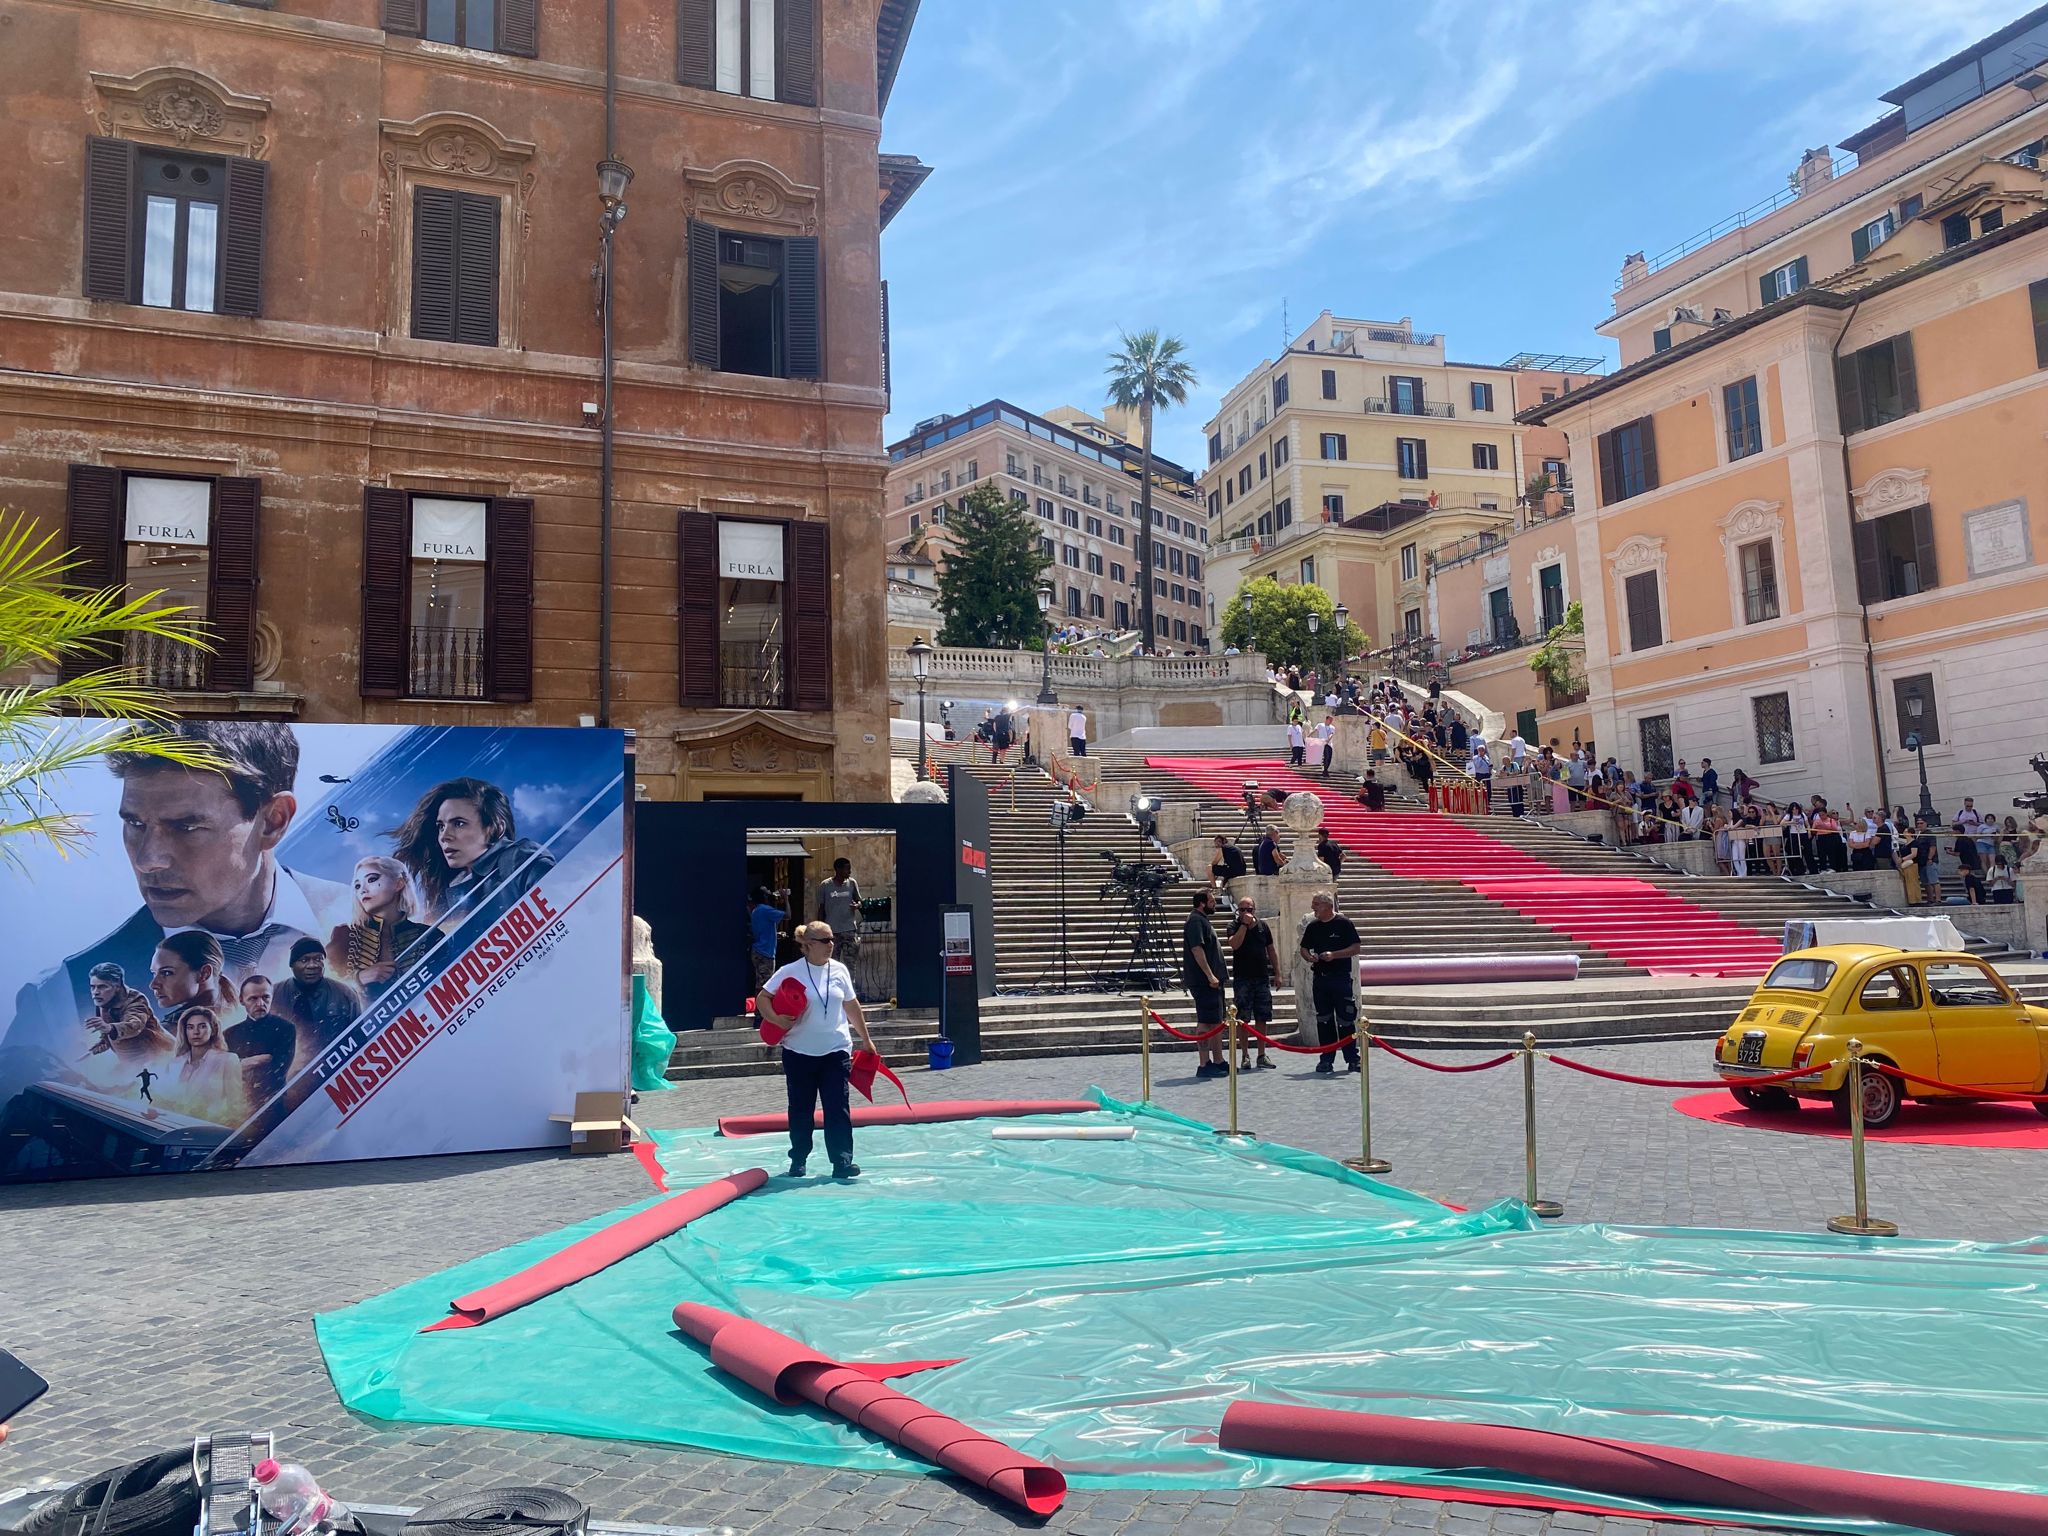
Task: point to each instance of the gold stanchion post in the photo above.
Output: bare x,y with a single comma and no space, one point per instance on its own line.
1365,1162
1230,1039
1544,1208
1862,1223
1144,1050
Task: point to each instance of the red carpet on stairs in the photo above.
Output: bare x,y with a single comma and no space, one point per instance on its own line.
1630,920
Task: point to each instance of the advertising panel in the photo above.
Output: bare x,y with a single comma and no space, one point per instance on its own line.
358,941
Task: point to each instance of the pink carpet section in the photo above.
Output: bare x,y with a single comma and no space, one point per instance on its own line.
1943,1125
1629,920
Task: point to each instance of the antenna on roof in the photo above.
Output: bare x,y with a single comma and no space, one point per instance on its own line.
1283,325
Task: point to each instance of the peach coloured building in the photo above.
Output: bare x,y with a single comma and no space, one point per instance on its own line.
1812,504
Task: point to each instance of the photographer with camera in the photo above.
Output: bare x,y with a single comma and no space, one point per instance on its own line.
1254,973
1202,970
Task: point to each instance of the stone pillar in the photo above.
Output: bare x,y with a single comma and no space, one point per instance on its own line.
2033,900
1352,751
1298,881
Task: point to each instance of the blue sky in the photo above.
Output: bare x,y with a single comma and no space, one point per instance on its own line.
1480,165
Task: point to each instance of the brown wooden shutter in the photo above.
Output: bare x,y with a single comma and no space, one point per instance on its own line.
1907,375
508,599
703,295
433,263
244,215
1849,393
387,571
93,526
109,220
403,16
810,615
796,52
1869,564
519,28
1923,548
1609,476
1645,622
1422,458
697,610
802,308
231,582
1649,441
696,43
476,269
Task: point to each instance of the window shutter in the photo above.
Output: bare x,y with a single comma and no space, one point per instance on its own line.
508,597
1798,274
1421,458
109,220
1869,565
796,52
476,269
802,312
1907,375
1609,476
387,571
1923,548
231,583
703,295
1766,290
1859,243
433,263
696,43
244,215
92,528
1645,621
1649,441
519,28
810,615
697,610
403,16
1849,393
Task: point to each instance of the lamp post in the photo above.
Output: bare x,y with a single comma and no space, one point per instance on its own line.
613,177
1045,693
1919,749
920,664
1343,618
1315,646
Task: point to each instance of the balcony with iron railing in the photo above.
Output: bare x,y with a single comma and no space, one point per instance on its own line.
444,663
158,661
1089,498
1379,406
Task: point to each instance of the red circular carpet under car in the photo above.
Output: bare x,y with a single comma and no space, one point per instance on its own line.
1948,1125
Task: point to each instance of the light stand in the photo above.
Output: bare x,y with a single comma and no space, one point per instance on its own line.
613,177
920,664
1045,693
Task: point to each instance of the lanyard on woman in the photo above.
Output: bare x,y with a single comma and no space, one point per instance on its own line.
824,1007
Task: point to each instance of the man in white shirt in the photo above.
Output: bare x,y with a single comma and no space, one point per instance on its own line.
817,1052
1077,731
1297,744
1326,738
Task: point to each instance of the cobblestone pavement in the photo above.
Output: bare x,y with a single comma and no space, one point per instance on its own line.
157,1306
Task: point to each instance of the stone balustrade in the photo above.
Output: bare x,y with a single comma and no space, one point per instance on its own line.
1015,670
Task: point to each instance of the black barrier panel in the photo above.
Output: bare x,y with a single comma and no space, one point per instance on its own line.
972,889
690,883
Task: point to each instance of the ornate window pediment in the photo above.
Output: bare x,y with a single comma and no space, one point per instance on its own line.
179,107
1635,555
751,192
454,149
1889,490
1748,521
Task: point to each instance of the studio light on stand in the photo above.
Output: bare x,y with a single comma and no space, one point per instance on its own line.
920,666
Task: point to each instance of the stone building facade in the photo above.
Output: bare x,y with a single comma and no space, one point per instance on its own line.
300,324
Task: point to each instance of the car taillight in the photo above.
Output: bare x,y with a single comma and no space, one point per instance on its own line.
1720,1047
1802,1055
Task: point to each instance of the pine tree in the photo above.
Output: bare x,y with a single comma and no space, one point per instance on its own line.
989,588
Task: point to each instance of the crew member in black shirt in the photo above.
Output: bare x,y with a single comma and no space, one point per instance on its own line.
1228,863
1202,962
1372,794
1330,852
1329,943
1254,973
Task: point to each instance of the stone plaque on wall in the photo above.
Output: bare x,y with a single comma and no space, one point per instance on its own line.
1997,539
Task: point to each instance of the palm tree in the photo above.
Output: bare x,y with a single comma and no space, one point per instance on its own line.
47,626
1147,373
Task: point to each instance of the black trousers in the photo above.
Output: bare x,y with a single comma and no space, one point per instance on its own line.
813,1082
1079,744
1336,1013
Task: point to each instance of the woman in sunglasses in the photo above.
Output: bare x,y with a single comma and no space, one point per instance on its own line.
818,1049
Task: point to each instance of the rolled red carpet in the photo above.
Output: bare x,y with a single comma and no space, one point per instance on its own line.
913,1114
1629,1469
779,1367
600,1250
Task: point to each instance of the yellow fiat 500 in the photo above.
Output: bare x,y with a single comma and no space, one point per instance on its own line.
1937,1013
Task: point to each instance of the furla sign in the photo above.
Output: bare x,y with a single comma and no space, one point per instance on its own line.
169,511
750,551
444,529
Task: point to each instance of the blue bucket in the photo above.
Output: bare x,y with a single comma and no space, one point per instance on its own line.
941,1055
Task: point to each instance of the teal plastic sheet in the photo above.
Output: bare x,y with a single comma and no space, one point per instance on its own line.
1108,1300
653,1042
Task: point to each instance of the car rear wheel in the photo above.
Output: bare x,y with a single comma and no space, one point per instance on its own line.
1881,1099
1773,1100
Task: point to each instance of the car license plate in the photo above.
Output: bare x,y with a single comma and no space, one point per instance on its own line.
1751,1052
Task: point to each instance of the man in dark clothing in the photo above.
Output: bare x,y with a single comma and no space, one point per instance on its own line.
1254,973
1202,970
1922,855
1372,794
318,1006
1329,943
1461,738
1328,850
1228,863
1266,856
264,1042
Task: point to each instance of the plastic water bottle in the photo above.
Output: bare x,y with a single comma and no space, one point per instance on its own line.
290,1497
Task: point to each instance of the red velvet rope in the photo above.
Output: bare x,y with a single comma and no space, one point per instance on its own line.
1197,1039
1263,1038
1476,1066
1691,1082
1968,1093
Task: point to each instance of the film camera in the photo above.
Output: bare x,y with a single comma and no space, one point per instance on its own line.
2035,805
1136,875
1249,795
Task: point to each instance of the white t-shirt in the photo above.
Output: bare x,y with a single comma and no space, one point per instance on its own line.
1517,749
1294,736
827,990
1077,726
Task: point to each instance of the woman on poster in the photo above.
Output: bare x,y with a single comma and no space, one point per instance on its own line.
370,949
461,846
206,1077
817,1051
189,971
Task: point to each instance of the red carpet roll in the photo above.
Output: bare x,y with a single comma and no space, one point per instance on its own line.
1629,1469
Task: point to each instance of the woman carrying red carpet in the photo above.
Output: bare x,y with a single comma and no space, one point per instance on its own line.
817,1052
